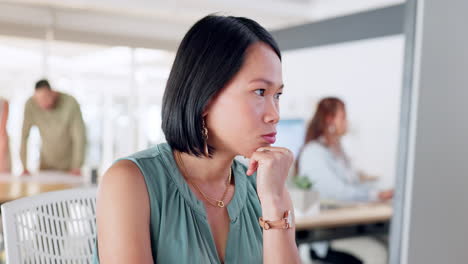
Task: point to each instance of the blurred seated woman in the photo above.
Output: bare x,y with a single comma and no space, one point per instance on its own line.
326,164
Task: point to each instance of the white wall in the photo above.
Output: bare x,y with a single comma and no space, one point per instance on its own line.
367,75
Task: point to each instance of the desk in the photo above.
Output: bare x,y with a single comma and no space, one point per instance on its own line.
14,187
363,219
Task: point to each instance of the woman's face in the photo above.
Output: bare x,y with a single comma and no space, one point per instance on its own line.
243,116
340,122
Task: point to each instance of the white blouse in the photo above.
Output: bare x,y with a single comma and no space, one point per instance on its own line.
332,175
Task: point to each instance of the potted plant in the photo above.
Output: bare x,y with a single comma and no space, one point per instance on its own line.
305,199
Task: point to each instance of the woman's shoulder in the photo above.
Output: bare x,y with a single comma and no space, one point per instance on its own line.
123,180
148,153
314,146
152,154
130,174
156,164
135,167
123,172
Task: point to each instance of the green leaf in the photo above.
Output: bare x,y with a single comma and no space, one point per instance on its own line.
302,182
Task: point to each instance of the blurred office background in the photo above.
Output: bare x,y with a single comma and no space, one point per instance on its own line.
114,57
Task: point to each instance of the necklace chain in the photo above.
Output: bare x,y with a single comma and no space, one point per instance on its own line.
210,200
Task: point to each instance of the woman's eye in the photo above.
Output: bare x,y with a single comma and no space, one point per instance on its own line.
277,96
260,92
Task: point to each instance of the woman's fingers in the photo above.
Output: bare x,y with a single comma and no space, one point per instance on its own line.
262,154
253,165
254,162
278,152
277,149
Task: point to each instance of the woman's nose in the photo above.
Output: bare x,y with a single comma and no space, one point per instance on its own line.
271,113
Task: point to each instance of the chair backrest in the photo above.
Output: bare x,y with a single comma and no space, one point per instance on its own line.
54,227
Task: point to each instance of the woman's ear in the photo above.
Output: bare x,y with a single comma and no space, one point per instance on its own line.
205,112
207,108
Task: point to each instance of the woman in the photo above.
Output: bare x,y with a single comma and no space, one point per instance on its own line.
324,162
5,159
188,200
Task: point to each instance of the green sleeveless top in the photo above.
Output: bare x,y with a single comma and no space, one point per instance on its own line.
180,232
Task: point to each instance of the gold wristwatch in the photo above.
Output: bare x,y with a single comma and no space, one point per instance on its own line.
285,223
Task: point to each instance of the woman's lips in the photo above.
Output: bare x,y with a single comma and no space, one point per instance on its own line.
270,138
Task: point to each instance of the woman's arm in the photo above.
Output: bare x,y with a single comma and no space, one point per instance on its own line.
4,117
123,216
78,135
279,245
272,165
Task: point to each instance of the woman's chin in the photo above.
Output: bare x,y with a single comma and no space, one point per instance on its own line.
263,145
253,149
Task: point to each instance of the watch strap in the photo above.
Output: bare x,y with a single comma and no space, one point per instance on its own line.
284,223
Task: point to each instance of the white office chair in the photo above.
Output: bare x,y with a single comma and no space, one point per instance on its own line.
54,227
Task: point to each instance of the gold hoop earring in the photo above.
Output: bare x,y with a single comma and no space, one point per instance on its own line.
205,138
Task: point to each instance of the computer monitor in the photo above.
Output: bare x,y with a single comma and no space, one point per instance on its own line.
290,134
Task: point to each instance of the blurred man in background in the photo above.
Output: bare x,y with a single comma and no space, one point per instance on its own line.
61,127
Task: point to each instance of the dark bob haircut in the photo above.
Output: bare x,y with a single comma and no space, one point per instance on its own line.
209,56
